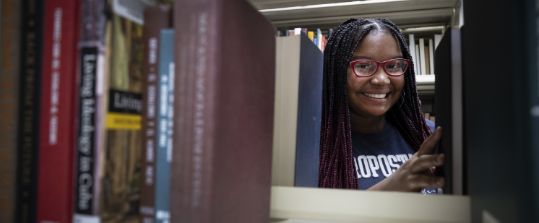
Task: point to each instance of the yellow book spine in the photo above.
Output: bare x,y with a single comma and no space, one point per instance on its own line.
123,121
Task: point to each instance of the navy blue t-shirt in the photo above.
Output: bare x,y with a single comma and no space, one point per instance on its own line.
377,155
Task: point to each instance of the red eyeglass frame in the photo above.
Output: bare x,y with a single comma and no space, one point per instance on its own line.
378,64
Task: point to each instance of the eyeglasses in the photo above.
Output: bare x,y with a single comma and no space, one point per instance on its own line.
392,67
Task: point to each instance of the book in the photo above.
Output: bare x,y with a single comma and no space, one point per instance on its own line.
58,109
164,131
157,18
91,107
422,57
310,34
448,110
120,180
418,60
10,39
431,56
411,47
427,57
224,95
298,108
28,121
117,155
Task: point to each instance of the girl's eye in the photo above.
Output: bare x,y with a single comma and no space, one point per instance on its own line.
394,66
364,66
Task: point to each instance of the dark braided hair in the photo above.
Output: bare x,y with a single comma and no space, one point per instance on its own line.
336,167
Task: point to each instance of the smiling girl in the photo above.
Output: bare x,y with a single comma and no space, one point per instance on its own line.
373,135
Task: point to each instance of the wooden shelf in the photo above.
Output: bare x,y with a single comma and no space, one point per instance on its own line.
296,204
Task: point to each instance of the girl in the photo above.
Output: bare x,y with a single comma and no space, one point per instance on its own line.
373,135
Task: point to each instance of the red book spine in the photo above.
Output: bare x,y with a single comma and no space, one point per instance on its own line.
58,111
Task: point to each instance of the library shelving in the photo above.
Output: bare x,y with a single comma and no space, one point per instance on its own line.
423,24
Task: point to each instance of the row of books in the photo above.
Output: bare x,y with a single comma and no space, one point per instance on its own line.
421,48
121,119
82,72
298,112
318,37
422,51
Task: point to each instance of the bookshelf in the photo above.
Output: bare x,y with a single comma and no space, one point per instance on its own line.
426,20
500,131
320,204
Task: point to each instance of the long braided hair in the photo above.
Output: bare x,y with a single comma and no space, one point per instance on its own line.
336,167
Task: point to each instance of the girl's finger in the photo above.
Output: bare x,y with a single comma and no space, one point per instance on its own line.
430,143
425,162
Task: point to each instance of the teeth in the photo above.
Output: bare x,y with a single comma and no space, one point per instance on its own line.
377,96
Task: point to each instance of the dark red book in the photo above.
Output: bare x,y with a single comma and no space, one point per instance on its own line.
58,111
224,101
156,18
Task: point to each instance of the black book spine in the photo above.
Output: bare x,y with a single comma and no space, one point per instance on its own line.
26,195
84,195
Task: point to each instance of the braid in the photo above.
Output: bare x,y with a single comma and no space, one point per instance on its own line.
336,167
407,118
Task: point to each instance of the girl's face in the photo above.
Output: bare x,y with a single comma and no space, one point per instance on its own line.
373,96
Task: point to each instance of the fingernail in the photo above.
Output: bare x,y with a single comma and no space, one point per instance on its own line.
439,129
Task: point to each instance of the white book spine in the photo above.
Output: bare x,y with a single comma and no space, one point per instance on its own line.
418,60
431,55
411,47
422,58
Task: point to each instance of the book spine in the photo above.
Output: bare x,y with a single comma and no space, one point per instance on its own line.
29,90
120,179
411,47
427,56
170,131
90,104
431,55
192,166
58,111
86,138
223,112
309,115
422,55
156,18
286,107
164,148
418,60
9,97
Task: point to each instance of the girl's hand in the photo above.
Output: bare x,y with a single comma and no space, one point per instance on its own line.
416,173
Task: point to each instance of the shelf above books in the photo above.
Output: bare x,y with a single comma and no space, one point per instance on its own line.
332,205
329,13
